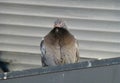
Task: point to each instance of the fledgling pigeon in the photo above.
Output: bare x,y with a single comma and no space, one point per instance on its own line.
59,46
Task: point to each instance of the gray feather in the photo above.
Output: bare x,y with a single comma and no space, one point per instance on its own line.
43,53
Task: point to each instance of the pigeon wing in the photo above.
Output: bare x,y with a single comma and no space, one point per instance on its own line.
43,53
77,51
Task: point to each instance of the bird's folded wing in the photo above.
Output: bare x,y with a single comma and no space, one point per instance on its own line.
77,51
42,48
43,53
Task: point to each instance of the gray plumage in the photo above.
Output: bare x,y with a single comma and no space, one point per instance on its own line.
59,46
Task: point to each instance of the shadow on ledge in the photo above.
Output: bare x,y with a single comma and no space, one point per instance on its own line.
95,71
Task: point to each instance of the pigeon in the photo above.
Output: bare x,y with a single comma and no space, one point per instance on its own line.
59,46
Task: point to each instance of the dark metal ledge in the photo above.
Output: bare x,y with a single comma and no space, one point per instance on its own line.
95,71
68,67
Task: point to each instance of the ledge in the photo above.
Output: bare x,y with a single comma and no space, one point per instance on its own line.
55,69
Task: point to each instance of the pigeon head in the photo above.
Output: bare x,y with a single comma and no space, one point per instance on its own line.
59,23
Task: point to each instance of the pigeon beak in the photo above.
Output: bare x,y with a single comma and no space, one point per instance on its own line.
59,25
